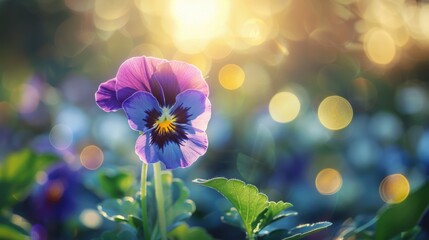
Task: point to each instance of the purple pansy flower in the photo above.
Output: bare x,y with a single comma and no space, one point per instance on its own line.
166,101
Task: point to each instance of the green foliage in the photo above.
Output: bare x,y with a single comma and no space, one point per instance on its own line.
244,197
119,210
176,203
9,230
254,210
297,232
184,232
232,217
395,221
116,183
397,218
17,174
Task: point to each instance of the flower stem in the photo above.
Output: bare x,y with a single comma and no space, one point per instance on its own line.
250,236
145,218
160,200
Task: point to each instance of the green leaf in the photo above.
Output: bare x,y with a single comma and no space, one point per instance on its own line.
119,210
303,230
233,218
271,214
17,174
278,224
176,203
116,183
244,197
9,230
297,232
411,234
397,218
184,232
178,207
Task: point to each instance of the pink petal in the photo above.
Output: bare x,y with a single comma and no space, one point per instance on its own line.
174,77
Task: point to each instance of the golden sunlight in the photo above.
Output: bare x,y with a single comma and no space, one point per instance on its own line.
196,21
328,181
335,112
231,76
284,107
394,188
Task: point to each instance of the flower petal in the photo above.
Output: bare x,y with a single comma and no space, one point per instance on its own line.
195,107
145,150
174,155
105,97
142,110
173,77
134,75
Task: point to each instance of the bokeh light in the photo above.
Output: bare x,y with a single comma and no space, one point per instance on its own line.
379,46
61,136
394,188
411,99
284,107
328,181
30,98
111,9
90,218
254,31
335,112
231,76
55,191
41,177
91,157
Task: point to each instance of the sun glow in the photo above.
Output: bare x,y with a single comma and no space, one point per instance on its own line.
195,22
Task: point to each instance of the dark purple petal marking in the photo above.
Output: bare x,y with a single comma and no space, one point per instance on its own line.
142,110
162,138
197,107
134,75
173,155
105,97
164,84
183,155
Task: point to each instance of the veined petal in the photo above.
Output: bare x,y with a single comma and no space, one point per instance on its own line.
193,108
134,75
182,155
105,97
145,150
173,77
142,110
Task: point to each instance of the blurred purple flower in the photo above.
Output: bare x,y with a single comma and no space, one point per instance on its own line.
167,102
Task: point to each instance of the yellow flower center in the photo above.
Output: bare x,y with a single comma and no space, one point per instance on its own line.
165,122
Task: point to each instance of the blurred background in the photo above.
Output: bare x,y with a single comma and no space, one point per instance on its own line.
323,104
